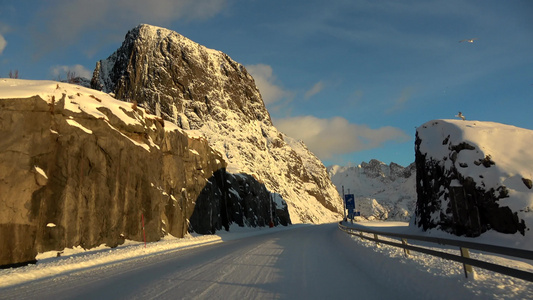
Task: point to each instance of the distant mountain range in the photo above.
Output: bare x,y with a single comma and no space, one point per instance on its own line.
382,192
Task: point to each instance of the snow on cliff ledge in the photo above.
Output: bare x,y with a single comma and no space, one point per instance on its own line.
77,99
510,149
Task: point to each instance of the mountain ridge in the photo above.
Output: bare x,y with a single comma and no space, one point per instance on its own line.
382,192
204,91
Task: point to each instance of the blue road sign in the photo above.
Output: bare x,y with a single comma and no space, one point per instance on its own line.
350,201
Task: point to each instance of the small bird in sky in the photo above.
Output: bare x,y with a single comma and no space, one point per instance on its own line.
468,40
460,115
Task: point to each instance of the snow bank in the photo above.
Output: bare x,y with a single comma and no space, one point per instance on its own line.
54,263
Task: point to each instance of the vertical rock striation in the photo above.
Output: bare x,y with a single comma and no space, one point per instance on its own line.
79,168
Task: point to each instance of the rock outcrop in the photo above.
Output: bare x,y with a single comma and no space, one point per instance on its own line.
470,177
79,168
204,90
382,192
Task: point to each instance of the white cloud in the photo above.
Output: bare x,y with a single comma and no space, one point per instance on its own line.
167,10
3,43
329,137
65,21
3,30
77,71
266,83
314,90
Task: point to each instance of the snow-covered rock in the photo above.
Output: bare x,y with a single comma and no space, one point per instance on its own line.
474,176
80,168
382,192
206,93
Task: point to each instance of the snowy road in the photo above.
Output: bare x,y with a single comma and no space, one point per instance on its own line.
309,262
301,262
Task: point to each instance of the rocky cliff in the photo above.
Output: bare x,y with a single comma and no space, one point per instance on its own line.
473,177
382,192
204,91
79,168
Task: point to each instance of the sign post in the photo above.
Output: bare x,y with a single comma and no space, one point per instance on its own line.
343,205
349,200
144,233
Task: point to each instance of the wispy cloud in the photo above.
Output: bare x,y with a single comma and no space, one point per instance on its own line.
3,43
329,137
67,21
399,103
356,96
379,24
266,82
319,86
77,70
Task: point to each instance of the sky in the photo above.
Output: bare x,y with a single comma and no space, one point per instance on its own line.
353,79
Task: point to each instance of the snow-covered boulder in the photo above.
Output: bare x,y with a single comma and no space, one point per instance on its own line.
473,177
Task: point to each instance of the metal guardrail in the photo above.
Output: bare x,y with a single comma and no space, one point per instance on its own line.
464,247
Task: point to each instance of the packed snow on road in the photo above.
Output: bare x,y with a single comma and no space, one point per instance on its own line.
310,261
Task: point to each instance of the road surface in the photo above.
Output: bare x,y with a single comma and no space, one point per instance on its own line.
306,262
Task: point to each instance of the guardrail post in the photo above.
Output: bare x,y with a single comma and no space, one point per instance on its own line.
406,251
468,268
376,238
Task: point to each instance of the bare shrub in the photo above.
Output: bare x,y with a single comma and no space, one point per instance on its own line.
71,77
14,74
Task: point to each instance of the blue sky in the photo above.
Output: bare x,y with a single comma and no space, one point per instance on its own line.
352,79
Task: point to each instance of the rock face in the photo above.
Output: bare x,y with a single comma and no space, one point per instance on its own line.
203,90
382,192
79,168
471,177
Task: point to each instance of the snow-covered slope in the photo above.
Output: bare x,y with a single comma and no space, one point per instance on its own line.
206,92
381,191
474,176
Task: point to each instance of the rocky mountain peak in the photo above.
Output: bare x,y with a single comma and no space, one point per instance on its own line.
204,90
375,168
179,79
